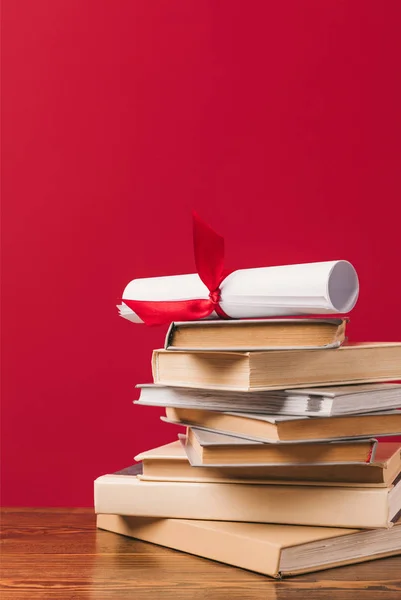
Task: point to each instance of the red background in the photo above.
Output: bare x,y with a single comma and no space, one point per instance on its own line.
278,121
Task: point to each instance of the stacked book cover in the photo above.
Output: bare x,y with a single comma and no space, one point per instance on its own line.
282,465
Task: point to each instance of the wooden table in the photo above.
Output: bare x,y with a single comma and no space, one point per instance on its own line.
59,553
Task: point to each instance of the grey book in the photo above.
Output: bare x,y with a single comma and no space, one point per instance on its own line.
317,401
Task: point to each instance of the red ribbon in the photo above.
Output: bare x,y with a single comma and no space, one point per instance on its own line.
209,260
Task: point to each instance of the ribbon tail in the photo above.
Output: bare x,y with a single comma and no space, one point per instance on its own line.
209,253
162,312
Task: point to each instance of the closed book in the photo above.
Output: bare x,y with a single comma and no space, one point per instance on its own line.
279,428
278,369
328,401
274,550
256,334
170,463
205,448
292,505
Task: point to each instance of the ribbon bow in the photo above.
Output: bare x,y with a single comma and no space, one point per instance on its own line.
209,260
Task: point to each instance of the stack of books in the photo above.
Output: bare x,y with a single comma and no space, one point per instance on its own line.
281,467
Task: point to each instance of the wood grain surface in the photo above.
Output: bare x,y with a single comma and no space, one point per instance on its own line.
58,553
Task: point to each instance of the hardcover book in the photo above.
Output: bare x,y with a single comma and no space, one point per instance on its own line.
279,428
205,448
287,504
170,463
327,401
256,334
274,550
278,369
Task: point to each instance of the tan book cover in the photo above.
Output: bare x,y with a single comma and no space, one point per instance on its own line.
278,428
278,369
205,448
292,505
170,463
274,550
256,334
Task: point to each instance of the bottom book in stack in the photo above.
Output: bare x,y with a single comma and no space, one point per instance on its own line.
327,523
274,550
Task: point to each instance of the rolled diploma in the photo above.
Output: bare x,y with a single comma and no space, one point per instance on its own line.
311,288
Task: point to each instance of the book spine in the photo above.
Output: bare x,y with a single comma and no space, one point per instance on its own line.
155,366
187,536
292,505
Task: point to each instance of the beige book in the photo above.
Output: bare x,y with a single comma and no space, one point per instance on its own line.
256,334
278,369
206,448
170,463
292,505
278,428
274,550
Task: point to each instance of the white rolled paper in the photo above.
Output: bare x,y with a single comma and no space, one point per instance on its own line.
312,288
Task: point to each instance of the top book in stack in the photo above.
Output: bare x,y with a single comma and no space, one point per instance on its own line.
256,334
